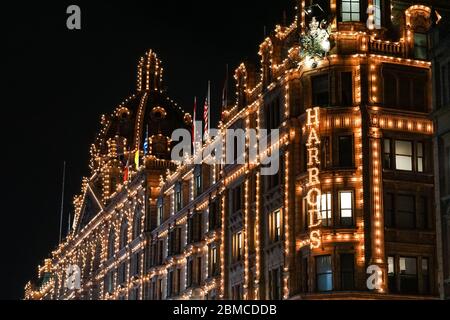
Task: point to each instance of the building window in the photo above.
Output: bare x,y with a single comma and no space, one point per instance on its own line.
345,151
389,210
420,46
178,200
137,224
426,275
214,215
199,270
391,275
320,91
346,88
198,184
346,208
109,282
135,264
403,155
324,274
160,217
175,241
419,157
377,13
406,215
325,209
213,261
422,213
237,292
122,273
237,246
275,226
387,160
275,284
350,10
195,227
237,199
190,273
408,275
123,235
347,272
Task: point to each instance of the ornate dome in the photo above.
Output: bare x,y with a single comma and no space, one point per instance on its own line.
147,113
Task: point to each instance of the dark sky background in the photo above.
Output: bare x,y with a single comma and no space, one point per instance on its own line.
59,82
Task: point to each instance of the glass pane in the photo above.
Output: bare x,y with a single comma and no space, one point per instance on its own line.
323,264
403,163
346,200
403,148
325,282
387,146
355,7
391,267
355,16
420,165
345,7
408,266
420,39
345,17
420,149
425,266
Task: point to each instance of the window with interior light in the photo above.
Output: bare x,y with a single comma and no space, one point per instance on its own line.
275,226
350,10
377,13
324,274
404,155
346,208
325,209
237,246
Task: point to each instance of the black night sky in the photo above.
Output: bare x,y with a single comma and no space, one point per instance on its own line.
59,82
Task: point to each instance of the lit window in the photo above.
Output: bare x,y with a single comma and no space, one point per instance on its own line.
403,155
325,209
160,215
350,10
275,226
419,157
391,275
377,13
346,207
237,246
324,274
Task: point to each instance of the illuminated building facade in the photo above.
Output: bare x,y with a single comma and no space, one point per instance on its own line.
355,187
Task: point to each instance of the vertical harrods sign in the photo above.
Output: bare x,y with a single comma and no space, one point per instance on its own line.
313,185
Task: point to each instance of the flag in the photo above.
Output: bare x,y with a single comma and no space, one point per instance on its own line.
136,159
194,128
146,142
126,170
206,114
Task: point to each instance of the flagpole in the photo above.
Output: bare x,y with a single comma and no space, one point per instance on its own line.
209,106
62,203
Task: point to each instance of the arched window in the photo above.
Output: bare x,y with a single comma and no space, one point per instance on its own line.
111,245
137,223
123,235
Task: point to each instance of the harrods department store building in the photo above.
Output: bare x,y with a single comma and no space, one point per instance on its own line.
355,190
